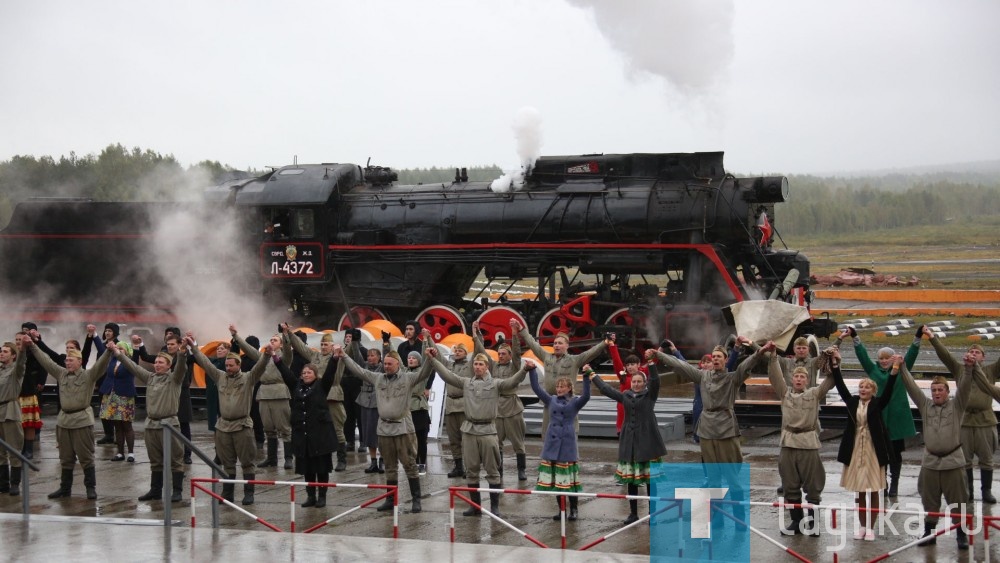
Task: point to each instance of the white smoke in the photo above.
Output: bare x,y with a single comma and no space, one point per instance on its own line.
687,43
527,128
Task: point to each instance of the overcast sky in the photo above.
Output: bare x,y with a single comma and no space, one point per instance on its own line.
789,86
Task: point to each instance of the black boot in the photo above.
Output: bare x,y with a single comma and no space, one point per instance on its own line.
90,482
572,508
381,465
495,499
155,487
177,485
475,497
373,468
29,449
415,495
929,534
968,478
559,508
65,485
961,538
229,490
341,458
248,489
15,481
812,523
796,521
459,470
522,464
321,496
310,497
633,505
387,504
288,455
4,478
272,454
895,468
986,482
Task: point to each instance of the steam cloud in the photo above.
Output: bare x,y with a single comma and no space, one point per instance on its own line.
688,44
527,128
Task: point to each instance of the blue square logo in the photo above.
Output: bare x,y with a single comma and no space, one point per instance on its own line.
698,513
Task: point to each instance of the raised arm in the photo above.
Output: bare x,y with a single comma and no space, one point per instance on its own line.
139,372
984,384
964,381
838,380
446,374
356,370
100,367
616,361
606,389
542,395
542,353
950,362
258,368
744,370
654,381
300,347
776,376
250,351
591,353
898,364
682,369
912,389
50,367
513,381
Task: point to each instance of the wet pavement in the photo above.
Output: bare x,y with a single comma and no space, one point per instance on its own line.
366,534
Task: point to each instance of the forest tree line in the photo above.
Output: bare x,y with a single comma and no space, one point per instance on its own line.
816,205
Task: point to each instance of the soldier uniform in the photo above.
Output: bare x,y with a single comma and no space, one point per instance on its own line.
234,429
273,398
75,423
510,409
454,414
11,431
941,468
479,443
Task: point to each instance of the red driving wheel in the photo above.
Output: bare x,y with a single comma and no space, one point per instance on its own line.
495,321
363,314
441,320
556,321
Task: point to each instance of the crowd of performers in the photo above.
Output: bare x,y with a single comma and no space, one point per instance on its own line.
314,403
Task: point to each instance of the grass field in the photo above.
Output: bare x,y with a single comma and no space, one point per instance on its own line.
955,256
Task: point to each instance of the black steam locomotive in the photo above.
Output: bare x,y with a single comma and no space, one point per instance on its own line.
649,246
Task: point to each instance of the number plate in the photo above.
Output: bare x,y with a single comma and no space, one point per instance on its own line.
298,260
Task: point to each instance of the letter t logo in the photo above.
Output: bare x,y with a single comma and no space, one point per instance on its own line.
701,508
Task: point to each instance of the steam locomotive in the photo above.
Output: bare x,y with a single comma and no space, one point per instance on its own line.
648,246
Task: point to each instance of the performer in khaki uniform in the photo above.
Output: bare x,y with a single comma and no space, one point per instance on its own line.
454,404
273,398
941,468
335,397
11,377
479,445
979,427
395,430
163,397
75,424
558,363
799,464
510,410
718,429
234,429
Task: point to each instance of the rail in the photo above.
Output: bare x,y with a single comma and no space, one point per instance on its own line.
25,477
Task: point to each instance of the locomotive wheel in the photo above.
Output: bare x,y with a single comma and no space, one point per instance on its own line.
364,314
495,321
624,319
556,321
621,317
442,320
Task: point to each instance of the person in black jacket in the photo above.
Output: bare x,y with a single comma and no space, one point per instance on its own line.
313,437
865,449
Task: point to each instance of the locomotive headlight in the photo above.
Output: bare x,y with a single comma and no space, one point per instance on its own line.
765,189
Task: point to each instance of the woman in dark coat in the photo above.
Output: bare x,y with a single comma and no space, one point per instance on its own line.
639,442
865,449
313,436
559,469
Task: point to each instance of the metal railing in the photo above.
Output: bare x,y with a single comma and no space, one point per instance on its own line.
25,478
217,472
